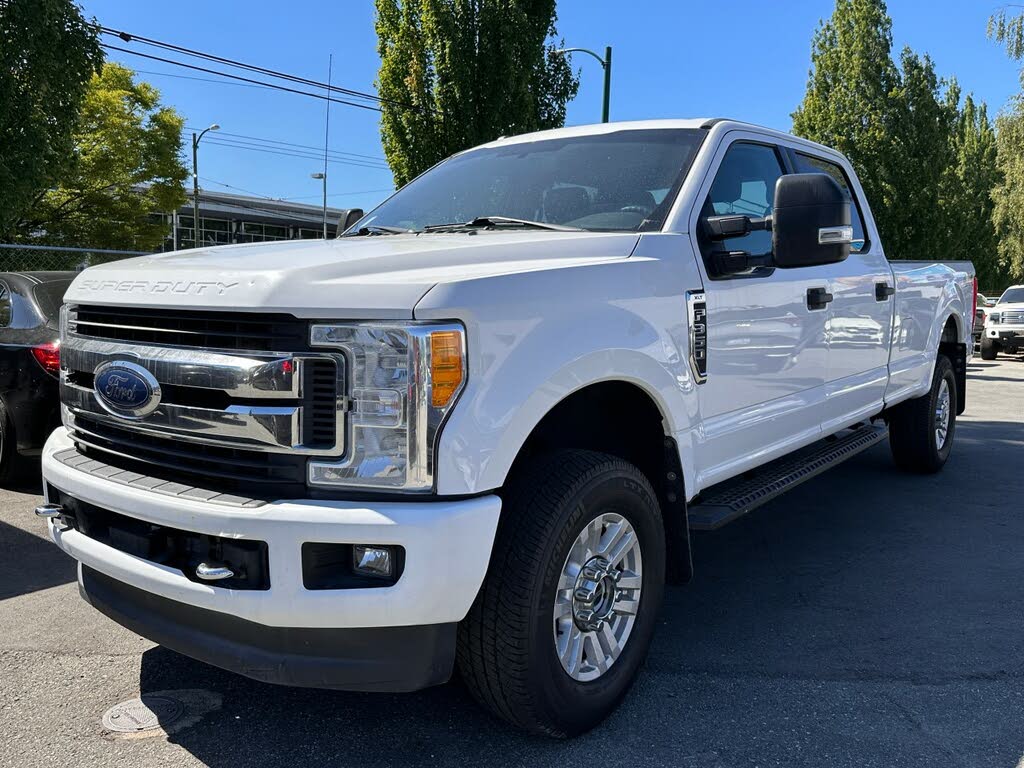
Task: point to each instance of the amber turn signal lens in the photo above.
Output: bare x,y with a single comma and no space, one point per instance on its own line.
446,372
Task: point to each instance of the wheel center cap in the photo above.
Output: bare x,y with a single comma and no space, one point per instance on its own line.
593,598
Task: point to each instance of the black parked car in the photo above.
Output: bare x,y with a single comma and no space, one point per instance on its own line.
29,363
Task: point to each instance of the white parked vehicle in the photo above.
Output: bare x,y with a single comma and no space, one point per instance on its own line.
476,429
1004,325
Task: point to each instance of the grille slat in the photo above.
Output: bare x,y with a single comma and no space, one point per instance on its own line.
176,458
210,330
209,466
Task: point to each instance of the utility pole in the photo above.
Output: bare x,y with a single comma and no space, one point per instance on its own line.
606,63
195,184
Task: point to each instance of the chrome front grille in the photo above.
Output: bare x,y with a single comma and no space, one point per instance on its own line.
1015,317
255,412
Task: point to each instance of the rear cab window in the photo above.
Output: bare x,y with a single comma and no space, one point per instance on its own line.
805,163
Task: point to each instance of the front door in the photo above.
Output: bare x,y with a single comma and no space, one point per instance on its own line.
766,349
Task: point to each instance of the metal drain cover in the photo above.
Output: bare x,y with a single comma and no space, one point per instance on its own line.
143,714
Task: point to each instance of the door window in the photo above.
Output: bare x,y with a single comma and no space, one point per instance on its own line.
808,164
5,306
744,184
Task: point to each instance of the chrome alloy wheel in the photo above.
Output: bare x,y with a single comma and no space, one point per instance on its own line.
942,415
597,597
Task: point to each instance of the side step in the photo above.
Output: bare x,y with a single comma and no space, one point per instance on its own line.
727,501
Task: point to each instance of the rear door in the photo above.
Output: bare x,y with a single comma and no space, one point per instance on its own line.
860,316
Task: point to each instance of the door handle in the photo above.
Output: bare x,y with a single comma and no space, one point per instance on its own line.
818,298
883,291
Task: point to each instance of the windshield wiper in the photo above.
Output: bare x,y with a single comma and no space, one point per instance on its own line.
376,229
494,222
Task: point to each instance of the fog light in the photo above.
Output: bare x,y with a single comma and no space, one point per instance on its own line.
372,561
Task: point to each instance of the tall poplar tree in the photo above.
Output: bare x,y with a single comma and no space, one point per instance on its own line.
926,164
848,104
456,73
1007,28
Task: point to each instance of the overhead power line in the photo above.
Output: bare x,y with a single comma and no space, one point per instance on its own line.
340,153
239,77
129,37
283,152
202,79
342,194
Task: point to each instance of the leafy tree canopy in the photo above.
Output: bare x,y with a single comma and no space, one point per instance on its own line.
1006,26
48,52
456,73
926,160
126,166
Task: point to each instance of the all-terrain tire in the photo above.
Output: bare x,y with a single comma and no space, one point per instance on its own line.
989,349
506,647
918,444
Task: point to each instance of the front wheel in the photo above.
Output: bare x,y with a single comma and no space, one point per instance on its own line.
566,613
921,430
989,350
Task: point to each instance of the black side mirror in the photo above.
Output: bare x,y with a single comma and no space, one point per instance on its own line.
810,221
352,215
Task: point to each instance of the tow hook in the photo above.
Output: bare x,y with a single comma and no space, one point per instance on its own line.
213,572
54,512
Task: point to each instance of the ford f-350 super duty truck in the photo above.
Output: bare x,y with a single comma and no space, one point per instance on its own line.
475,431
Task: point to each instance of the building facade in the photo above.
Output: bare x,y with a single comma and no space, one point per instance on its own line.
228,218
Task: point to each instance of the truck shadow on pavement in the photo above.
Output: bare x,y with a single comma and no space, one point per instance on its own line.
29,563
837,610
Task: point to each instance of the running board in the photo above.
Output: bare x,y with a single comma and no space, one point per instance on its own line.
733,498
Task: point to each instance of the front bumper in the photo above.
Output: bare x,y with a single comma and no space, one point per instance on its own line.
283,633
1011,337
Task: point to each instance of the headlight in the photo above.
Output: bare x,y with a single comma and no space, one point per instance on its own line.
993,317
402,380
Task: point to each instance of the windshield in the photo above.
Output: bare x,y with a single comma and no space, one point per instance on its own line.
615,182
1012,296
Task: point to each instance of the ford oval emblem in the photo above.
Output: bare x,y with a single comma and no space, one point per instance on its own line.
126,389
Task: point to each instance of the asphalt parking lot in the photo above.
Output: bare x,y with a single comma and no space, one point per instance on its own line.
868,618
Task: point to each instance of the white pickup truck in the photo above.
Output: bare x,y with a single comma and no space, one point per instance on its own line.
475,431
1004,325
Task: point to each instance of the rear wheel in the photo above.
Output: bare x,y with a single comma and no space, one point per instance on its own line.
989,350
921,430
566,613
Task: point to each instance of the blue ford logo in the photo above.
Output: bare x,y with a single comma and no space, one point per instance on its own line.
126,389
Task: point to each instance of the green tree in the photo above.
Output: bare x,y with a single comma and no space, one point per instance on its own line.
456,73
48,52
967,199
127,166
1007,27
926,164
849,100
1008,195
922,121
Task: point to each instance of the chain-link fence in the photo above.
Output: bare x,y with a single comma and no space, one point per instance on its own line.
39,258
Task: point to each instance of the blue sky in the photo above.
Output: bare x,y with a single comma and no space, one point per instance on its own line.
741,59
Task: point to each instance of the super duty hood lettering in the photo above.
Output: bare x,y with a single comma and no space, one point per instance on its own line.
183,287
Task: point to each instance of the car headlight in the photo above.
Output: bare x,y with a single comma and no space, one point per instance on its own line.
993,317
402,380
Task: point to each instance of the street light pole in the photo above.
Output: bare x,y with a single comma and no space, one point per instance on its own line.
606,63
195,184
323,177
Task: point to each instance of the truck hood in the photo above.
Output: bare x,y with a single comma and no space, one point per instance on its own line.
1016,306
379,277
